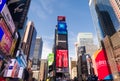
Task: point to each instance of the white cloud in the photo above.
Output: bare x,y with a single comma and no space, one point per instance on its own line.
47,45
47,5
46,50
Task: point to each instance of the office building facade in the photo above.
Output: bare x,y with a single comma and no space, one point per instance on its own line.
73,68
38,48
86,39
104,18
28,41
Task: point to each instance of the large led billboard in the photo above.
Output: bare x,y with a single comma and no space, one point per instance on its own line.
62,45
61,18
6,41
18,10
62,28
102,65
62,37
8,19
1,33
62,58
2,3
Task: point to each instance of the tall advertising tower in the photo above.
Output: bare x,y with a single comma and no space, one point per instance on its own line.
61,48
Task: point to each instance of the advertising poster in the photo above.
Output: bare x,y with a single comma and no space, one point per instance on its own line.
61,18
62,58
50,59
6,41
8,19
2,3
62,28
1,33
13,69
18,10
102,65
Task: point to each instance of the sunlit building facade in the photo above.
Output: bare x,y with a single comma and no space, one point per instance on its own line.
73,68
116,7
86,39
28,41
104,18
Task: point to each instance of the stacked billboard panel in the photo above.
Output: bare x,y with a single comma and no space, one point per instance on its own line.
61,56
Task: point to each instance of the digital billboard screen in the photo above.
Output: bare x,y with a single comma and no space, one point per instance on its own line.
102,65
8,19
2,3
18,10
62,37
62,28
62,45
61,18
1,33
62,58
50,59
6,41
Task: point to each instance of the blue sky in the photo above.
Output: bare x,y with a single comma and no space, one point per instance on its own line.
44,15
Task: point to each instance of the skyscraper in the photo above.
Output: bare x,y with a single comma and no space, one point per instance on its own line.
36,56
38,48
86,39
116,7
104,18
28,41
61,48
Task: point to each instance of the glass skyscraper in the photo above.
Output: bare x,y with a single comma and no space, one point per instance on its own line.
104,18
38,48
116,7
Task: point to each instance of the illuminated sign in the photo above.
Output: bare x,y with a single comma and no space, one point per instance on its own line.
62,37
62,58
2,3
1,33
50,59
62,32
62,26
62,45
6,41
18,10
61,18
102,65
8,19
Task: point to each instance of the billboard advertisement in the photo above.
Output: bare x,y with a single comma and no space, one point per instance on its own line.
1,33
62,37
62,28
6,41
2,3
8,19
61,18
18,10
62,45
50,59
12,69
102,65
62,58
